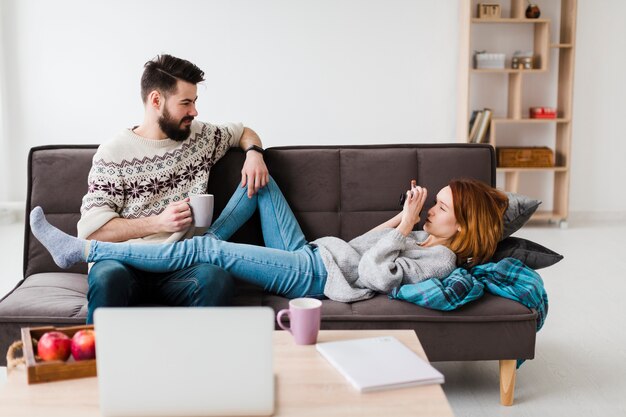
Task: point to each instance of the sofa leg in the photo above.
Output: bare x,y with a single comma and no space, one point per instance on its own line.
507,381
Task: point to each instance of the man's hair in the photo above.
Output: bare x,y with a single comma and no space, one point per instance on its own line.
162,73
479,211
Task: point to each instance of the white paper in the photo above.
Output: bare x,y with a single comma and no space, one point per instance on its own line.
379,363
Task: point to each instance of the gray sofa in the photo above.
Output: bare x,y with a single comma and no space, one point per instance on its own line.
333,190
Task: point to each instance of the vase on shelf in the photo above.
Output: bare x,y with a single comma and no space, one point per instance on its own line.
532,11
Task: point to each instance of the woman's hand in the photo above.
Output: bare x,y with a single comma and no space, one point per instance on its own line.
415,199
254,173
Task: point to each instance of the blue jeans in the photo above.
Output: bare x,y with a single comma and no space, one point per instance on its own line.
115,284
287,265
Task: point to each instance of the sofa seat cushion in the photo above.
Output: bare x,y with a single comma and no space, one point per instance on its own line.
381,308
493,324
50,297
58,295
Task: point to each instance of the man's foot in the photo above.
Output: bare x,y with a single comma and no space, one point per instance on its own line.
66,250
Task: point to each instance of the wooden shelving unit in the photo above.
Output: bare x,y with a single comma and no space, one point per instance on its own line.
511,20
562,46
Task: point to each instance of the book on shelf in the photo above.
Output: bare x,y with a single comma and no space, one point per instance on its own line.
482,130
472,119
477,116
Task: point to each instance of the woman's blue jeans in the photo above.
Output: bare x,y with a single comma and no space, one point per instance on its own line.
287,265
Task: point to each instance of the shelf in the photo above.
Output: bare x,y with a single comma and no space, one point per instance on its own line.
509,20
554,46
506,70
531,121
531,169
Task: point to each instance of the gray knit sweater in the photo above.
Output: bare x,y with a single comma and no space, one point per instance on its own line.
379,261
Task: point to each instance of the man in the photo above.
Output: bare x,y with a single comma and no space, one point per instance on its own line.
139,185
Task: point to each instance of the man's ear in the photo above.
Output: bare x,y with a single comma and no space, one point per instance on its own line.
155,99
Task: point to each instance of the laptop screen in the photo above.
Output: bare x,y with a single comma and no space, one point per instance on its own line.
185,361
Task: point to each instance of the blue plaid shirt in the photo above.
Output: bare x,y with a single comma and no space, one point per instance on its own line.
509,278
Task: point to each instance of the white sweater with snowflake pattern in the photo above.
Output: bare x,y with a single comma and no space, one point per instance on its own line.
133,177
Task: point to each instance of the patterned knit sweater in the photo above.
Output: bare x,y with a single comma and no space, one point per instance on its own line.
133,177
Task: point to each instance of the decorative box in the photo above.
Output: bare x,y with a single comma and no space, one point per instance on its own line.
542,113
489,11
484,60
523,60
525,157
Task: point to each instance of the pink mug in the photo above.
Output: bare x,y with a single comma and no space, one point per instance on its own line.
304,319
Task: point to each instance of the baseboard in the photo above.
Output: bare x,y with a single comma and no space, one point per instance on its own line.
586,216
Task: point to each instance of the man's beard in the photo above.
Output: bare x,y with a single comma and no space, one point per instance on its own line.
172,128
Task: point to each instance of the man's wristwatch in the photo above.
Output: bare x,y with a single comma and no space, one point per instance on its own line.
255,148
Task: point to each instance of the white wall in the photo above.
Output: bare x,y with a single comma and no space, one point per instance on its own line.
4,142
298,72
599,124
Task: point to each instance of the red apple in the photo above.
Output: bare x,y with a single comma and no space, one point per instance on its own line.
84,345
54,346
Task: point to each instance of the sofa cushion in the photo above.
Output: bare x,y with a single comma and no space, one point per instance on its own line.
345,191
517,214
489,322
530,253
57,182
48,297
60,299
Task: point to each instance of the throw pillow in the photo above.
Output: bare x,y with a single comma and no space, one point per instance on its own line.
530,253
518,213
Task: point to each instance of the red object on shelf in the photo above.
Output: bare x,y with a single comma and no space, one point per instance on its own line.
542,113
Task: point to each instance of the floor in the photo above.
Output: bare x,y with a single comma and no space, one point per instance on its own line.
580,363
580,356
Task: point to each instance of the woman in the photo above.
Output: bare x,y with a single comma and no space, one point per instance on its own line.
464,226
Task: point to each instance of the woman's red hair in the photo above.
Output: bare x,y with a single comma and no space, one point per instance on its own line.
479,211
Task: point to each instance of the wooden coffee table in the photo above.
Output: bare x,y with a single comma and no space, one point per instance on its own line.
306,385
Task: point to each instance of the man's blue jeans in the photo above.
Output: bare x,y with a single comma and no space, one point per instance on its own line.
116,284
287,265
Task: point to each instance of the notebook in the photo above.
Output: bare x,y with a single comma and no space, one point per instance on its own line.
185,361
379,363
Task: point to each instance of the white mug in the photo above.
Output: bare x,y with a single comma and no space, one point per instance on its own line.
201,209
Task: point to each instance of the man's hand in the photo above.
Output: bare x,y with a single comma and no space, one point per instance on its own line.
175,217
254,173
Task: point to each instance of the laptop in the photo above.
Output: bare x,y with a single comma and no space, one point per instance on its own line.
185,361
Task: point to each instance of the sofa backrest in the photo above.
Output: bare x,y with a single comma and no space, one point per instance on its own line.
333,190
